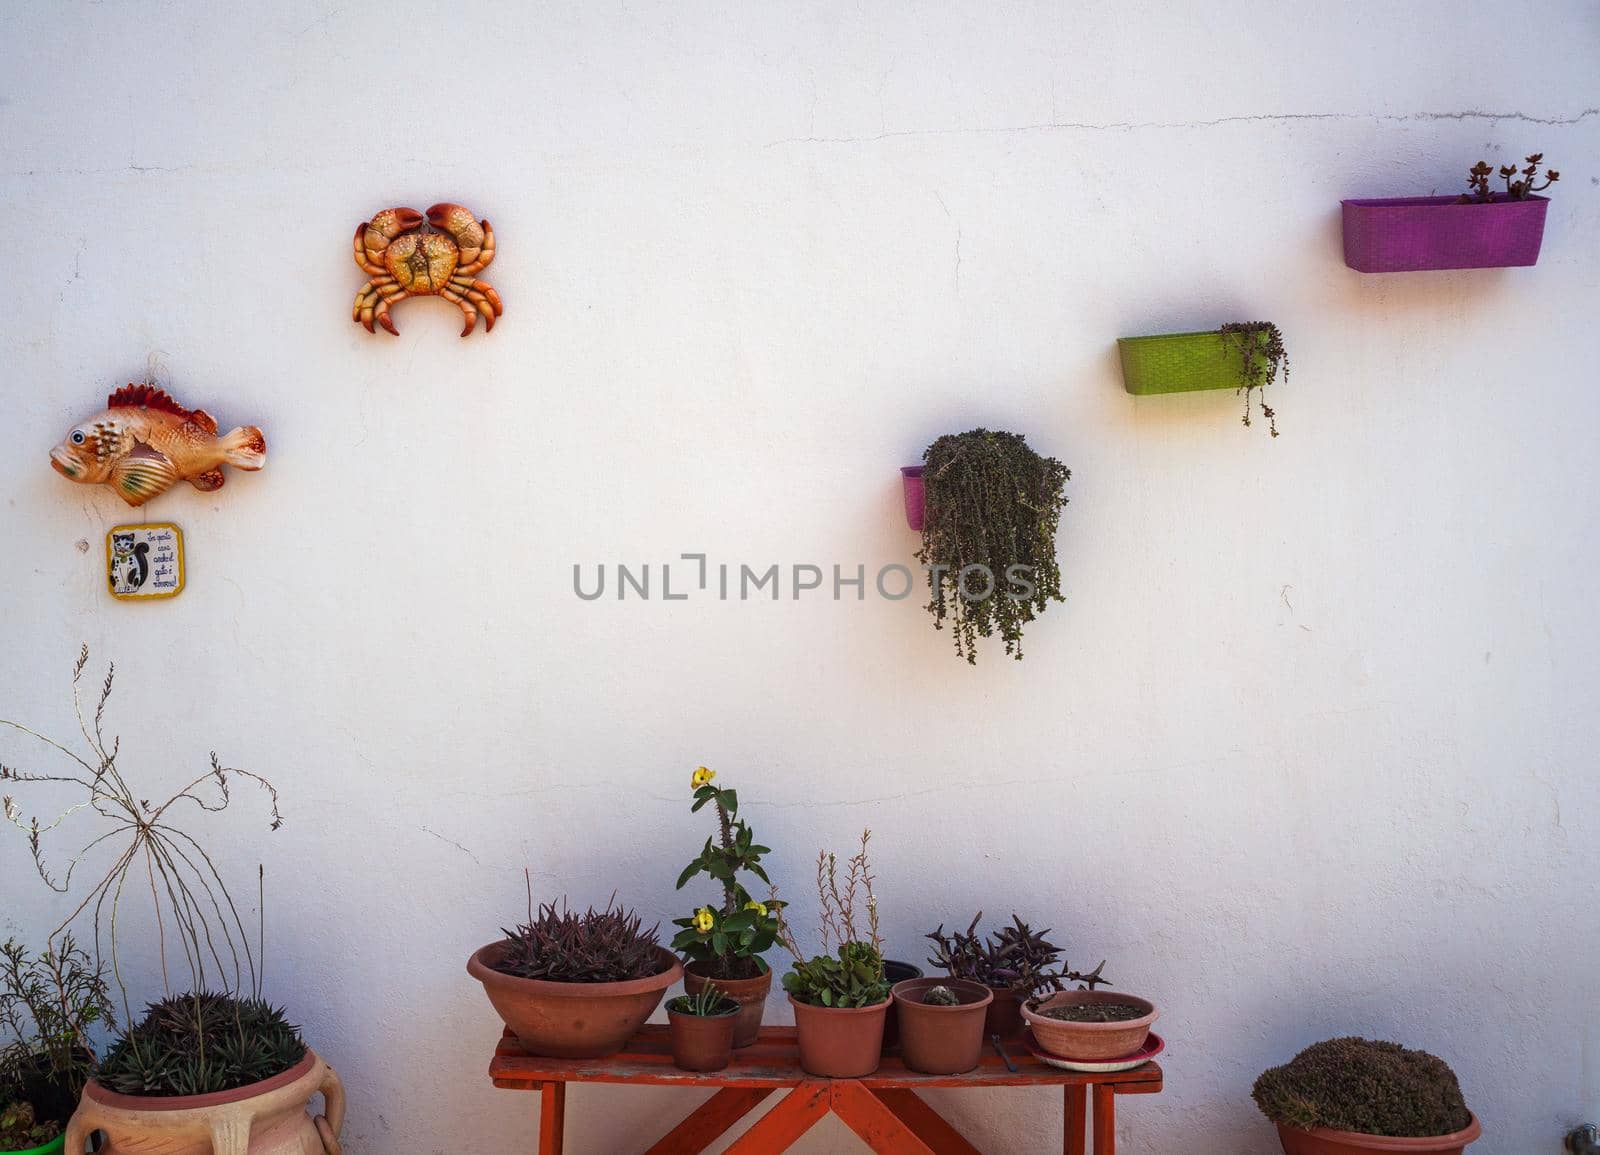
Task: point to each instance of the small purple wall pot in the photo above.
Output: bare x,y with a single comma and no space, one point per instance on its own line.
1409,234
916,499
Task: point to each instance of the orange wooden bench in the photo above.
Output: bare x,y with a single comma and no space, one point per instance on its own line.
883,1107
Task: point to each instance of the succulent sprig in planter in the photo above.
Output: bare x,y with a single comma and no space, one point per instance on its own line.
724,943
1245,356
1016,962
1483,228
993,506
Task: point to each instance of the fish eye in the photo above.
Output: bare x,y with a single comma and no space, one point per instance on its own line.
77,437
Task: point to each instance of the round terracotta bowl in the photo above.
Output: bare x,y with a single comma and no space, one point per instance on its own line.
571,1020
1090,1042
938,1040
265,1118
750,994
1322,1141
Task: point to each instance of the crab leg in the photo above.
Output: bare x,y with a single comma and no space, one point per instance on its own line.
381,313
368,265
483,306
463,285
466,308
374,303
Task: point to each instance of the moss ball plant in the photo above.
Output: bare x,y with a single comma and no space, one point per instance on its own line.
199,1043
1369,1087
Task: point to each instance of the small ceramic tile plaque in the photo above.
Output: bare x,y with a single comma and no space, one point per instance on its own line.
145,561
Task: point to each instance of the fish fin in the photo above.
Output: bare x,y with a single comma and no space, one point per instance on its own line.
209,480
206,422
138,479
245,448
145,397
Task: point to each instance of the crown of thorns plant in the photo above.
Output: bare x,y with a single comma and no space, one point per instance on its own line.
186,889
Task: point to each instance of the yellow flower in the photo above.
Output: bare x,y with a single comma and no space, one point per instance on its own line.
702,777
759,907
704,920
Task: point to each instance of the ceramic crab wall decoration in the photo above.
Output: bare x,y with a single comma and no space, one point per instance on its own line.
143,443
409,255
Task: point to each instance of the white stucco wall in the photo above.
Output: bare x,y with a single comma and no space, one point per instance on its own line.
1311,747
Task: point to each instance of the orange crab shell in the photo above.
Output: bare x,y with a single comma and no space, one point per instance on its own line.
422,262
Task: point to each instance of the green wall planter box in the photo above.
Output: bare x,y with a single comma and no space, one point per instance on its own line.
1179,363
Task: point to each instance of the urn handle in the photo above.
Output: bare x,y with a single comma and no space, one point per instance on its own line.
331,1122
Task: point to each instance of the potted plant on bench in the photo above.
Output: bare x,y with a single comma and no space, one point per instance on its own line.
724,943
840,996
701,1026
1483,228
1015,963
1351,1095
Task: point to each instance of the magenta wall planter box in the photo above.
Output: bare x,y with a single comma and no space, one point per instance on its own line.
911,475
1406,234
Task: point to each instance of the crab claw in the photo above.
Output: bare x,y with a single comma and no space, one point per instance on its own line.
385,227
461,225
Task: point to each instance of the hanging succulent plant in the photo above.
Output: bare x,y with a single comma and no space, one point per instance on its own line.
1261,355
989,535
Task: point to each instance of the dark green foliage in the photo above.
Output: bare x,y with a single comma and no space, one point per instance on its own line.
597,946
730,938
1015,957
1262,354
1516,190
20,1132
989,535
1374,1088
852,978
941,997
197,1043
47,1006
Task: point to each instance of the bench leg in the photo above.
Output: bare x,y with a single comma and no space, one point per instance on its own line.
869,1117
552,1117
706,1123
931,1127
1105,1119
786,1122
1074,1118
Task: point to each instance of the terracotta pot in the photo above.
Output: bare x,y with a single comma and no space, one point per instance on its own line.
895,971
750,994
703,1042
1322,1141
265,1118
571,1020
1090,1042
1004,1017
940,1040
839,1042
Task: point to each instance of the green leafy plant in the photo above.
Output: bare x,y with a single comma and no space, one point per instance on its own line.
48,1005
707,1003
597,946
1373,1088
1015,958
989,536
849,971
728,939
1519,182
20,1131
197,1043
1261,355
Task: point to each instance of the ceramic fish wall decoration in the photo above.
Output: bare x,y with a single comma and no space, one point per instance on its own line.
408,255
143,443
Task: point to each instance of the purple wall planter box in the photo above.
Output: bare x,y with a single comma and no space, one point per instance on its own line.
911,476
1406,234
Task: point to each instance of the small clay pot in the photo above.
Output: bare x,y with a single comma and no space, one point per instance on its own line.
940,1040
750,994
1090,1042
702,1042
1005,1014
571,1020
896,971
1322,1141
839,1042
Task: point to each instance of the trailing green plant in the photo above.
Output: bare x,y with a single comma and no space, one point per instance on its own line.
144,843
989,536
1373,1088
1015,958
730,938
1261,356
48,1005
597,946
201,1042
706,1003
849,971
1519,182
20,1130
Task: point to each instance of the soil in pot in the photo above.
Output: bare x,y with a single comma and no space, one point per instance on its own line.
940,1039
1093,1040
702,1042
1095,1013
896,971
839,1042
750,994
571,1020
1322,1141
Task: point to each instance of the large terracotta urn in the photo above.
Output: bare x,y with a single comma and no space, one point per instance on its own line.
265,1118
